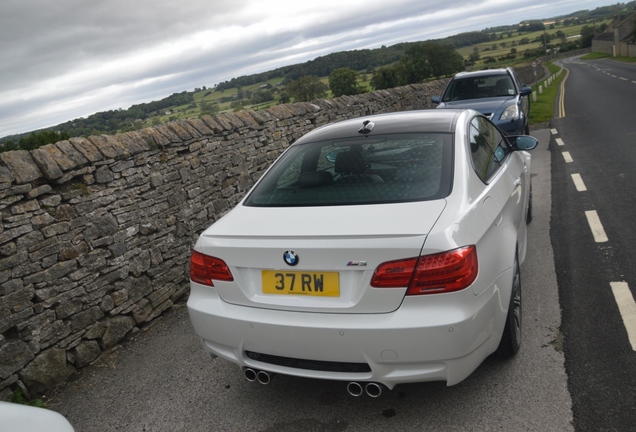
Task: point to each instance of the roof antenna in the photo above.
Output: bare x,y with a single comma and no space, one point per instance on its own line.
367,126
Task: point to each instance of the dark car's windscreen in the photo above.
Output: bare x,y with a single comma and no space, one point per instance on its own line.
362,170
479,87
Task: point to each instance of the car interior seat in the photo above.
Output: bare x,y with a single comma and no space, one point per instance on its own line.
351,168
502,87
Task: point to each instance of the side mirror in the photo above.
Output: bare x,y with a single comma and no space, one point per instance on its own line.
525,90
524,142
436,100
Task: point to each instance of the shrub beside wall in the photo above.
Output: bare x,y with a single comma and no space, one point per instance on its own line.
96,233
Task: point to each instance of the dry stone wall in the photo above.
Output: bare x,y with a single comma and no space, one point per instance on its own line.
96,233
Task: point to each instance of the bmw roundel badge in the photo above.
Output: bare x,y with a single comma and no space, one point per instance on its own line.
290,257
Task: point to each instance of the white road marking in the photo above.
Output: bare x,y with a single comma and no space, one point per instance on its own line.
553,131
624,79
595,225
578,182
627,307
634,82
560,142
567,157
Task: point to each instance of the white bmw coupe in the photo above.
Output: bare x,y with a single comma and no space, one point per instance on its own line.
375,251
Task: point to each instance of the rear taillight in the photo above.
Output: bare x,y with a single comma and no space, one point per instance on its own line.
394,274
430,274
204,268
445,272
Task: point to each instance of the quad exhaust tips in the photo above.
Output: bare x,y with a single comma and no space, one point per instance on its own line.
373,390
355,389
257,375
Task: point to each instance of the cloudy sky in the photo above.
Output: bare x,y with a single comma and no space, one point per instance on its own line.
64,59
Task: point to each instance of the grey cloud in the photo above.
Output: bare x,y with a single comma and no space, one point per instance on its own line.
45,37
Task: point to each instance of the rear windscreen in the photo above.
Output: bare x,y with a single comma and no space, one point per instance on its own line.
364,170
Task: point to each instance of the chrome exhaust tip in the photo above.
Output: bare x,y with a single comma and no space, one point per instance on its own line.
355,389
264,377
250,374
374,390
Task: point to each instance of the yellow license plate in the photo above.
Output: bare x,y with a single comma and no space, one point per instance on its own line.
325,284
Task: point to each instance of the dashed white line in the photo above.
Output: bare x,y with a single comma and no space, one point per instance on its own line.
627,307
567,157
595,225
553,131
624,79
560,142
578,182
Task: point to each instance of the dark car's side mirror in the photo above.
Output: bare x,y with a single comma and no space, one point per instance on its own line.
524,142
525,90
436,100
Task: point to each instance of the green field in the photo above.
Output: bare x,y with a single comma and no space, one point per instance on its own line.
511,39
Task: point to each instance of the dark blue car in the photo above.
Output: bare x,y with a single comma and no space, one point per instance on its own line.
496,93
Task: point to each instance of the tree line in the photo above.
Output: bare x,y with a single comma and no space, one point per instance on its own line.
360,60
419,63
323,66
35,140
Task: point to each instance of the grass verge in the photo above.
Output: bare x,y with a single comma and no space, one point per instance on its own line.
594,56
542,110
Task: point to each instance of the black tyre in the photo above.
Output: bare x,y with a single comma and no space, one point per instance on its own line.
529,212
511,339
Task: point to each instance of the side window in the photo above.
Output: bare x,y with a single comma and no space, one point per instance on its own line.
487,148
292,172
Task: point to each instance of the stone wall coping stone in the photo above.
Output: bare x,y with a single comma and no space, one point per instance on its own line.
20,163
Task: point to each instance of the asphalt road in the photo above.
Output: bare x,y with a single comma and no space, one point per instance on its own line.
161,380
598,135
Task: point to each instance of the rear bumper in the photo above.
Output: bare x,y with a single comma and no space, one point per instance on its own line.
429,338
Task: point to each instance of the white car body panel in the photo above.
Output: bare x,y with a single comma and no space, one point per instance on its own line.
334,239
353,221
14,417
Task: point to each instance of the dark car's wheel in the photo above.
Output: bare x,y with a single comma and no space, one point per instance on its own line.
511,339
529,212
